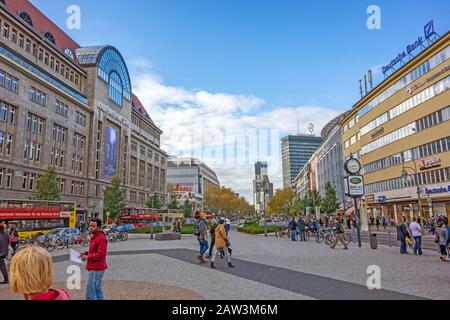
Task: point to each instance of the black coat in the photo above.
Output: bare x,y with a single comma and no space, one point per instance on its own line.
4,244
402,232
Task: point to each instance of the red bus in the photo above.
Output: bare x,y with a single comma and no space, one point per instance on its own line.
208,215
139,217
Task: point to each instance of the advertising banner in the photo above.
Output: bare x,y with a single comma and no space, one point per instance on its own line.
111,142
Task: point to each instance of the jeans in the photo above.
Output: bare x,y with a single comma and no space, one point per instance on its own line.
94,289
302,235
418,244
3,268
403,246
293,235
203,247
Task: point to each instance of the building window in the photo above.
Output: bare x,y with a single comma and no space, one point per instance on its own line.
37,96
28,46
62,109
6,30
26,18
59,133
50,37
8,81
115,88
80,118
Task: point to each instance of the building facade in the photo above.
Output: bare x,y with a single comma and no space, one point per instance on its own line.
262,187
403,124
192,177
330,160
72,108
296,151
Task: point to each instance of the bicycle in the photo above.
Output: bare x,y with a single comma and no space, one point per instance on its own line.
64,241
330,238
122,235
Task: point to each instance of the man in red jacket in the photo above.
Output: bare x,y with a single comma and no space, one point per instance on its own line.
96,261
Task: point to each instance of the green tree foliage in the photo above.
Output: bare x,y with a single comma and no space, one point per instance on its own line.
114,202
329,202
47,187
154,202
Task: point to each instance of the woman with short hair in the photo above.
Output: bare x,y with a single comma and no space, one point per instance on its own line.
31,274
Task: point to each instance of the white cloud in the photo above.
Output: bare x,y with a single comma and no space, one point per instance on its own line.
201,122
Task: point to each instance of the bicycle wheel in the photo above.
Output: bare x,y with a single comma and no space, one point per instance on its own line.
320,236
60,243
125,236
70,242
50,246
329,239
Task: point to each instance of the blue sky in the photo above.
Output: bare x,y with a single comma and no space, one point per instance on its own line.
248,64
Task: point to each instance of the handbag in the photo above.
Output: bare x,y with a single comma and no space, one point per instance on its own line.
409,241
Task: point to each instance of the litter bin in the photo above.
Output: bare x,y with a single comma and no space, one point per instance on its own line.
373,241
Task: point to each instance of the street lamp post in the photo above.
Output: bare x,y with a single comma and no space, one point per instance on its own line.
405,174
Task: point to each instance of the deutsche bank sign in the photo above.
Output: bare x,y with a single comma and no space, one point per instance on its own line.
428,33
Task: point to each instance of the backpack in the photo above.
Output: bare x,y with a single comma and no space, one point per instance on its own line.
197,229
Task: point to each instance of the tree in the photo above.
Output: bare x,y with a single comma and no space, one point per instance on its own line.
114,202
154,202
187,209
313,199
47,187
170,188
329,202
281,202
226,201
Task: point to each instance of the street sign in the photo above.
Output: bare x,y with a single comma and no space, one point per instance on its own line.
355,186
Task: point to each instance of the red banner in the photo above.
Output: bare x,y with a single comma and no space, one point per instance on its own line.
31,213
141,216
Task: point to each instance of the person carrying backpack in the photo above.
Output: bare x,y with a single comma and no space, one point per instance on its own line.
339,234
201,232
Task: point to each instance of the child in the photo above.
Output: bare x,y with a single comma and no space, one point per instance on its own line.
31,274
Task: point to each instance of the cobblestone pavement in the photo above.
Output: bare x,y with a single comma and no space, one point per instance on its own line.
271,268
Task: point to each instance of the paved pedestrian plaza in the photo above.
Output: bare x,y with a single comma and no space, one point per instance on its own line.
266,268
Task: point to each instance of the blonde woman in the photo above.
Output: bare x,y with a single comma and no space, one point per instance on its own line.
31,274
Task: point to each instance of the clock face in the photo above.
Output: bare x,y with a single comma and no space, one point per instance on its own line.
353,166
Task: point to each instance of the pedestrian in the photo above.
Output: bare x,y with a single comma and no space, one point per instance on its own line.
200,230
14,238
339,229
383,222
212,236
221,241
441,238
377,222
349,223
416,232
32,275
402,235
293,227
227,226
4,250
96,261
301,229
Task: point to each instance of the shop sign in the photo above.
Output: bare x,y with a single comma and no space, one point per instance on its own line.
437,190
355,186
431,163
420,42
414,87
183,188
381,199
370,198
377,132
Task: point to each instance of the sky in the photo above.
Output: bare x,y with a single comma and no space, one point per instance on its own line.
226,80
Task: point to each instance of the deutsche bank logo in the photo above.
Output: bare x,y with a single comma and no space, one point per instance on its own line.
429,29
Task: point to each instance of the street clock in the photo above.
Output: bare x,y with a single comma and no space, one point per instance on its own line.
352,166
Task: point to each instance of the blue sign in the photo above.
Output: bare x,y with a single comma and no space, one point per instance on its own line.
437,190
429,29
382,199
112,139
